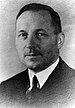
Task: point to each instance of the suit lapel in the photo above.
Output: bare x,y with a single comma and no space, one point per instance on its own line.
25,79
56,77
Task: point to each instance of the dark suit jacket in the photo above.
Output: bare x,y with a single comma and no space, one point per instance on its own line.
58,90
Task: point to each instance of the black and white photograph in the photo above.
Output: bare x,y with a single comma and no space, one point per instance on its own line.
37,53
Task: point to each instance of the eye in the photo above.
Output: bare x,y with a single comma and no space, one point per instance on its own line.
23,35
41,35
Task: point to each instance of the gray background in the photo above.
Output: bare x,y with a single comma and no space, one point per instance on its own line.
9,60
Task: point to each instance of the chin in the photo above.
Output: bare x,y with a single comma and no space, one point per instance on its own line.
32,65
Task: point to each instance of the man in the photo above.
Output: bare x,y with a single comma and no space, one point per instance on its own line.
39,37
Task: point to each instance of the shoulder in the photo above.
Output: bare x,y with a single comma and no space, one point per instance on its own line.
62,66
13,82
66,74
63,73
13,88
19,76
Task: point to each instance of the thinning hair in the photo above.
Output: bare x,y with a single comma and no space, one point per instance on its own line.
56,22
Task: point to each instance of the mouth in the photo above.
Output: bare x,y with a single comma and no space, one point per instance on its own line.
33,54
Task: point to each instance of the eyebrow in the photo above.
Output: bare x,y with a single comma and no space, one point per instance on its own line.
36,30
21,31
41,30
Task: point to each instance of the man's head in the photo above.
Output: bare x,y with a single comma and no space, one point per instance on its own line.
38,36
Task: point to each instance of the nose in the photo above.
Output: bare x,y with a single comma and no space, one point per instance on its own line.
31,42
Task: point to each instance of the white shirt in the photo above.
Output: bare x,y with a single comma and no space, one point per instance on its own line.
43,75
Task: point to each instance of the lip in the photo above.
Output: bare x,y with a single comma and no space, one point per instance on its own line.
33,55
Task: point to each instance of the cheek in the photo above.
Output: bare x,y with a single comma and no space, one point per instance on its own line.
19,45
49,49
20,48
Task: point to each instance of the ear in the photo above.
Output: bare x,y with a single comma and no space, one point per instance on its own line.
61,38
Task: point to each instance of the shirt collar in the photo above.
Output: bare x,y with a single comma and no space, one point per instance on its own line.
43,75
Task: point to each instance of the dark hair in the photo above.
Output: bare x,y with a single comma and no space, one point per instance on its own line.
56,22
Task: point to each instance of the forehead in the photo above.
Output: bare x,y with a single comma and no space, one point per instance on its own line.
35,15
40,18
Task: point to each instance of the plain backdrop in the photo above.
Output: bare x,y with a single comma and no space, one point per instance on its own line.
9,60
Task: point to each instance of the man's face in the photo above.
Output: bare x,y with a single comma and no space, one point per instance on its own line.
36,42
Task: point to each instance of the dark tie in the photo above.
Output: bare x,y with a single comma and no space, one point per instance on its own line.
33,94
35,83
